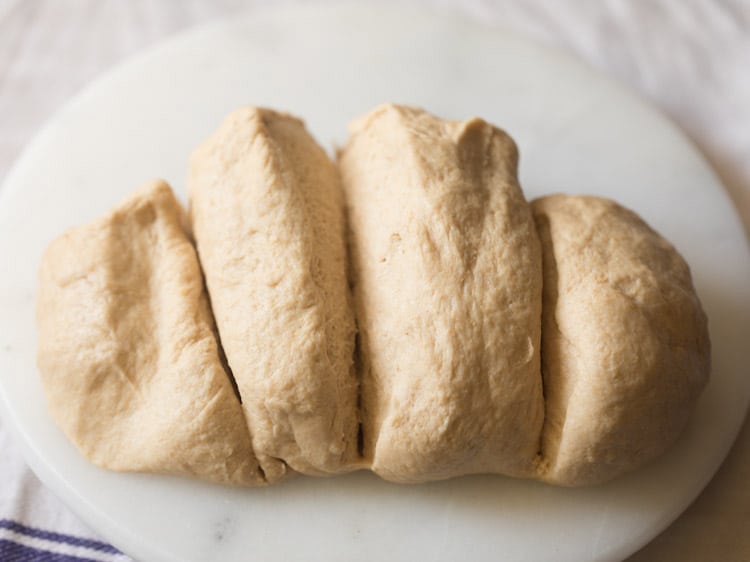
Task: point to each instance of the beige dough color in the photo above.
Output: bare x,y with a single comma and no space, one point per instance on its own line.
625,342
267,213
127,350
561,340
447,284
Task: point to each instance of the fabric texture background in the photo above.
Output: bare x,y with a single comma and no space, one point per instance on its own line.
690,59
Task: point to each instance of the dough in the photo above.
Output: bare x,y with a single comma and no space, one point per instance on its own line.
267,213
561,340
447,286
624,340
127,351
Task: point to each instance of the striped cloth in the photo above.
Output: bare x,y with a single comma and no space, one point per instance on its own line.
34,524
21,543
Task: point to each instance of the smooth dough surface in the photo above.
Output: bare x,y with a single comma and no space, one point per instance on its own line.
127,349
625,342
447,284
267,214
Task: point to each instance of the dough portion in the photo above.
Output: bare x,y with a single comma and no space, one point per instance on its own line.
447,286
267,213
624,340
127,350
561,340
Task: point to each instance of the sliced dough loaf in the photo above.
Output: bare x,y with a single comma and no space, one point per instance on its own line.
127,349
625,341
447,271
267,213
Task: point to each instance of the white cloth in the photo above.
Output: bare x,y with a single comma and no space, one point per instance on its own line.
692,59
34,525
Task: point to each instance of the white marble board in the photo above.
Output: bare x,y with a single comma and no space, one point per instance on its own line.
577,132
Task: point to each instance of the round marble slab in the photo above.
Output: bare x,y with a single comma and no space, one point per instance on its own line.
577,132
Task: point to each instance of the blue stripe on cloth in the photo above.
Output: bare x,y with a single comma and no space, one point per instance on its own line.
13,552
56,537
